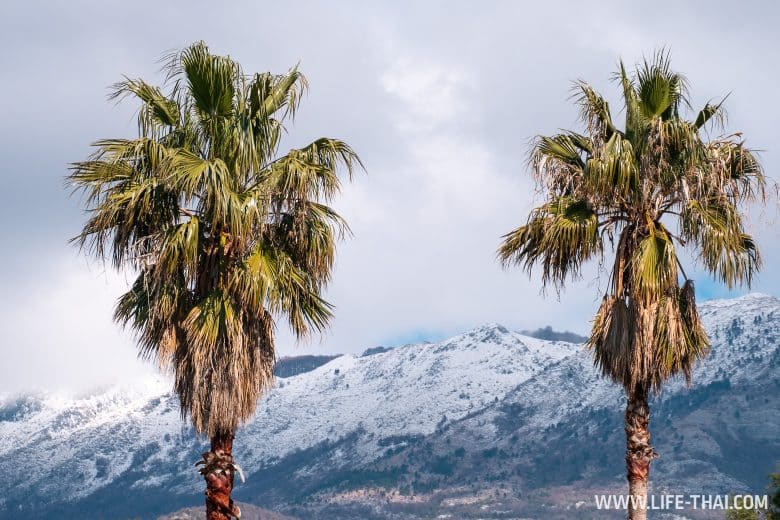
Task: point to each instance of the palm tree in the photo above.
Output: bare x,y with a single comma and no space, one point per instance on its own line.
224,236
658,183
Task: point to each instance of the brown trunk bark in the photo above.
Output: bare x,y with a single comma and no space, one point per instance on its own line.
639,453
218,472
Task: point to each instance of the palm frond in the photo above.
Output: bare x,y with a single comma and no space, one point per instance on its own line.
615,171
308,233
226,365
654,264
269,94
311,172
725,250
594,111
211,80
735,171
611,339
157,109
680,339
715,113
558,162
661,91
635,119
560,236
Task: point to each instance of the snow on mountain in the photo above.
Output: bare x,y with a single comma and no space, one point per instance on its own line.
76,448
405,391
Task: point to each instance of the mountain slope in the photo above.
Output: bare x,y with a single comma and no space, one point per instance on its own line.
487,421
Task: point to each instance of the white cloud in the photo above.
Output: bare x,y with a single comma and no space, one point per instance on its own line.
431,92
58,332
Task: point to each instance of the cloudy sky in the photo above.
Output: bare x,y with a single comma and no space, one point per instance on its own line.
440,99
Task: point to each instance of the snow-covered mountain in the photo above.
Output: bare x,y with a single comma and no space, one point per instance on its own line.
489,419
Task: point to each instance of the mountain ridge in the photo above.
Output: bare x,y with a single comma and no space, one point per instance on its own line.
422,420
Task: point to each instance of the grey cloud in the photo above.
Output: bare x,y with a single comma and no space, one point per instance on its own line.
440,99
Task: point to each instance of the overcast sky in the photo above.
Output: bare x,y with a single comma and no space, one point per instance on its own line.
439,99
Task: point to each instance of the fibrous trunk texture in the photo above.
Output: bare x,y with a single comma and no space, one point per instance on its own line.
639,453
218,470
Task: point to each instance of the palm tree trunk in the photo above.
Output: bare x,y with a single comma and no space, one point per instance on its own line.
218,473
639,454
